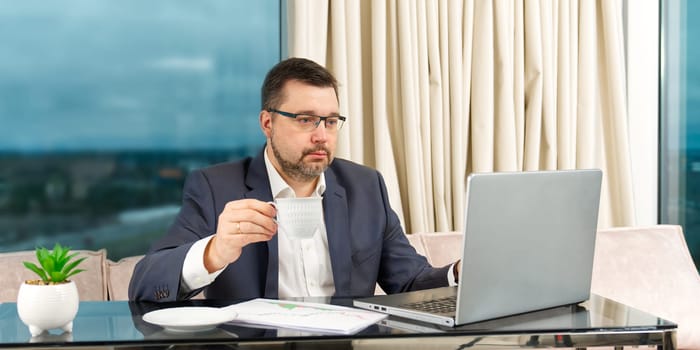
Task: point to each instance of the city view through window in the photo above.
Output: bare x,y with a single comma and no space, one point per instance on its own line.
680,121
106,106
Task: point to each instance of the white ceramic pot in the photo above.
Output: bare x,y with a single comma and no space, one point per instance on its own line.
43,308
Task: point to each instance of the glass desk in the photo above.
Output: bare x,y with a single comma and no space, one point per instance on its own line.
118,324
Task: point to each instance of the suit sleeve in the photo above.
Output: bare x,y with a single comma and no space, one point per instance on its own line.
157,276
402,269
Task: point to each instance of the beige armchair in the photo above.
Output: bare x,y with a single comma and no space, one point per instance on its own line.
118,277
91,283
441,248
650,269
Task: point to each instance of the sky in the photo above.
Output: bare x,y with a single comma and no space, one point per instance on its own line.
159,74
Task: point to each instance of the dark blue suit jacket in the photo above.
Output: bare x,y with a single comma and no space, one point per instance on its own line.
365,239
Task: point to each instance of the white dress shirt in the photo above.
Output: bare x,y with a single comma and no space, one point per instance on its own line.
304,264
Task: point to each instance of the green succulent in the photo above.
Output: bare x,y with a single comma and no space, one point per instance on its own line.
56,265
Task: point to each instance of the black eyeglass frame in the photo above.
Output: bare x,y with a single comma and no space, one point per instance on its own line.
320,118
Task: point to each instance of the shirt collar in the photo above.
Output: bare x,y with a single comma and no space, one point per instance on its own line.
280,188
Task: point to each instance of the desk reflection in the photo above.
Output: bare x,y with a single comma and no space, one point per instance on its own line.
563,318
597,322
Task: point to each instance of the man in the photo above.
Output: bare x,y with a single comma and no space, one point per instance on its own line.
224,241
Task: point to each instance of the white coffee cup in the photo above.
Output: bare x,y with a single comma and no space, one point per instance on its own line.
299,218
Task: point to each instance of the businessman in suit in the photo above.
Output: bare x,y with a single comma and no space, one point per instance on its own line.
224,240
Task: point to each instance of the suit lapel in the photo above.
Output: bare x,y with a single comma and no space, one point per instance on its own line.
257,180
335,213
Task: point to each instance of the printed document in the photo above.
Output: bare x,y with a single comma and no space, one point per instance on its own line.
312,317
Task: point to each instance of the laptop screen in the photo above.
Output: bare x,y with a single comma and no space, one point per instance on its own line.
529,241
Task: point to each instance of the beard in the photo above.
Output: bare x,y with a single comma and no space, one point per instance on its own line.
298,169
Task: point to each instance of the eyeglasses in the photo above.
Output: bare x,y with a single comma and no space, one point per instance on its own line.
309,122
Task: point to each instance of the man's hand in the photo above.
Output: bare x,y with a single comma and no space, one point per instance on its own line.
241,222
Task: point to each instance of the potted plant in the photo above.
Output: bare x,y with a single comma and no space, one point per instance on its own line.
52,301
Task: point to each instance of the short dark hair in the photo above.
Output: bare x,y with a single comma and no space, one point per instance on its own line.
295,68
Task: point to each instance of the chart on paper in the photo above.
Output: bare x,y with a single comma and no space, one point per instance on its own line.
314,317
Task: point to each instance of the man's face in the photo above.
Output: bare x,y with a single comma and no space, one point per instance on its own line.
298,154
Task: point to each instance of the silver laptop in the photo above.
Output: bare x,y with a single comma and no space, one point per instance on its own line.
528,245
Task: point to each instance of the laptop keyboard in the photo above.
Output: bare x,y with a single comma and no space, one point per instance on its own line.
437,306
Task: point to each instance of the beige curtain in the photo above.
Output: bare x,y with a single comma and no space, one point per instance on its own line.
437,89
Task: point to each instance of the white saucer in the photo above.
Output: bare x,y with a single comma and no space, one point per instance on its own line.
189,318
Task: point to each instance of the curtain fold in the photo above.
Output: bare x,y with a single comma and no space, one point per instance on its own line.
437,89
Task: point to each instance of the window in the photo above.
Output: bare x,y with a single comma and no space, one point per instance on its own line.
680,120
105,106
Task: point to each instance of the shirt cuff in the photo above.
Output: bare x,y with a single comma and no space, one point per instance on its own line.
194,274
451,276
